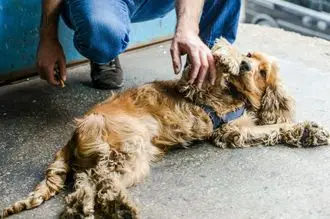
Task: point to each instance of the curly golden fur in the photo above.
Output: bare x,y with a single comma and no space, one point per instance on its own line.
115,142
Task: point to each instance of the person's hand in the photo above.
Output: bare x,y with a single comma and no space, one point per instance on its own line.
200,56
50,53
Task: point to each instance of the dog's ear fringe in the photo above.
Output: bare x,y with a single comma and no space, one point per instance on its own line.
276,106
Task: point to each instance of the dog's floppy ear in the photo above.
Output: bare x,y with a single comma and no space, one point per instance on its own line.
276,105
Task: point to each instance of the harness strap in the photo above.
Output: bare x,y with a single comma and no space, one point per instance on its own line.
219,121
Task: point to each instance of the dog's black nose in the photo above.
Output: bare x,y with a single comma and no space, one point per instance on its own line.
245,67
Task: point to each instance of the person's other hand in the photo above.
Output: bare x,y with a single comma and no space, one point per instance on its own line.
50,53
200,56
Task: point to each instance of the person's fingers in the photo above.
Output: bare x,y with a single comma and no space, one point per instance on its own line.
203,70
176,58
212,69
50,75
40,70
195,63
62,67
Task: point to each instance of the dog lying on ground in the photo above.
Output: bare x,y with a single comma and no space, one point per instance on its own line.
115,142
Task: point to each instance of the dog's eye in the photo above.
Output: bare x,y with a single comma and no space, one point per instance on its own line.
249,55
263,73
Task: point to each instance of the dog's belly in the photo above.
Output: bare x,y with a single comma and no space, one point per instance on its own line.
179,122
180,125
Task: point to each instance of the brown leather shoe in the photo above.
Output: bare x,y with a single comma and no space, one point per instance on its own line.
107,76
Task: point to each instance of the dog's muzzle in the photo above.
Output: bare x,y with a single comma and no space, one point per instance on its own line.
245,66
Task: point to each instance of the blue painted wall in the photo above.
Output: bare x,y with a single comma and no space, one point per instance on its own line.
19,23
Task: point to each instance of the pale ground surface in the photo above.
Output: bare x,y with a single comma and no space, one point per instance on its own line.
201,182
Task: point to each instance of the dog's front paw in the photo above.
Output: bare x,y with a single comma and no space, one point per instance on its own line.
218,138
306,134
229,65
314,135
218,142
228,138
227,57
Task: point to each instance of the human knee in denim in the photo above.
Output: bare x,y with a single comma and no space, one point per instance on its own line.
101,39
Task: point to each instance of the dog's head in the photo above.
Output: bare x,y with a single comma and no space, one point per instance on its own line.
255,76
258,80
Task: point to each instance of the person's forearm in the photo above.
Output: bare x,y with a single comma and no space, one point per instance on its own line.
188,15
49,19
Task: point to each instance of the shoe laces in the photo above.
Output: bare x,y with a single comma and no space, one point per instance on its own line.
108,66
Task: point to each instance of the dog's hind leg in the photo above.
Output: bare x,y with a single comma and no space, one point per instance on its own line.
109,191
82,201
55,178
118,150
305,134
118,171
115,173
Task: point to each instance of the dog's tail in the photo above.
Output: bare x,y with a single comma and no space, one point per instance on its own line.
51,185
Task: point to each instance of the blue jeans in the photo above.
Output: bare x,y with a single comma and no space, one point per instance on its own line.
101,27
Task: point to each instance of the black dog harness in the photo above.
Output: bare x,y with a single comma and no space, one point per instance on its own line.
219,121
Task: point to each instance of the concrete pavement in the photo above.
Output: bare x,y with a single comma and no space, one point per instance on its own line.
200,182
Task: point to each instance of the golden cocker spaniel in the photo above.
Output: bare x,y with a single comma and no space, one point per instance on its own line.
114,143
